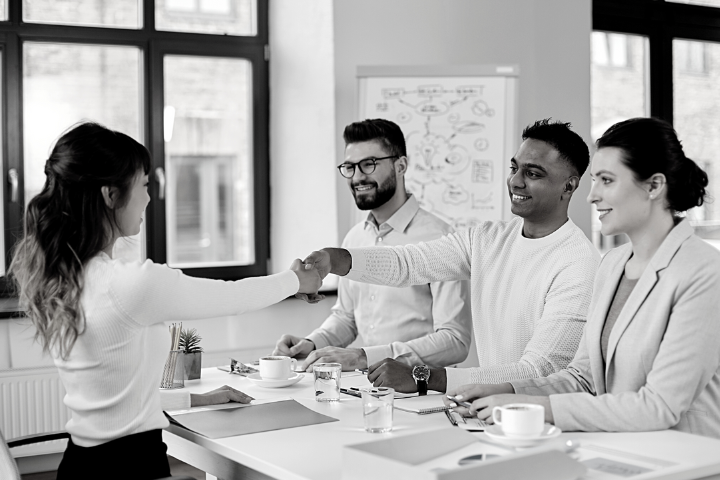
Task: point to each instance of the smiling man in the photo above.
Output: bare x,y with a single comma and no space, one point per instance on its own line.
428,323
531,278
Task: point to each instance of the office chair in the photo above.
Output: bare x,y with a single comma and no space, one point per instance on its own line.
8,467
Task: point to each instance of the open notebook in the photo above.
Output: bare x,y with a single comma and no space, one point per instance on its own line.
430,403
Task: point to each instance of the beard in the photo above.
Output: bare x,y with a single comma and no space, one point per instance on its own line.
383,193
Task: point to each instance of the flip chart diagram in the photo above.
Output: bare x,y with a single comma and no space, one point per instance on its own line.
456,131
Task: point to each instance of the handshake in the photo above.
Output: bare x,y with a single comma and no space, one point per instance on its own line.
315,268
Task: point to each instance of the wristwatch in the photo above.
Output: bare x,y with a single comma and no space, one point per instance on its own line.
421,375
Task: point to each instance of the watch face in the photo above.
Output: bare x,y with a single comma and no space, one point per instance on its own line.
421,372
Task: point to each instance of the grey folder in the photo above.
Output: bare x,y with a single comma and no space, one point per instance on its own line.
250,419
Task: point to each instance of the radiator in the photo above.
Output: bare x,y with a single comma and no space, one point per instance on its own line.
31,401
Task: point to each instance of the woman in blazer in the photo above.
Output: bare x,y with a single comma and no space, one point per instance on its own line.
650,355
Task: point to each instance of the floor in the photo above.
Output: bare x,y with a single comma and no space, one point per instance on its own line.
176,468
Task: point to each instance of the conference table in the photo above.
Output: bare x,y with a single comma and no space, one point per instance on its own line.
315,452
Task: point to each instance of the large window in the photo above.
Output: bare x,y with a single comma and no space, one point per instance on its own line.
662,58
187,78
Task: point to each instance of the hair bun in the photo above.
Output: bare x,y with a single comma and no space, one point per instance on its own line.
692,182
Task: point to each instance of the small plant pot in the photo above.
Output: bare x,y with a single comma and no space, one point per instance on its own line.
193,364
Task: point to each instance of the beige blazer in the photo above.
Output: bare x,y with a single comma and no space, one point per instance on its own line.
663,368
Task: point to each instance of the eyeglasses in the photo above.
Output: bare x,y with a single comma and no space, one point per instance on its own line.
366,166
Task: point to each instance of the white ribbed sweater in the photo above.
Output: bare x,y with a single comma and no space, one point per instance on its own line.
529,296
114,370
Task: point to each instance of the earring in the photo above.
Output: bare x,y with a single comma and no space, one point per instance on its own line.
652,196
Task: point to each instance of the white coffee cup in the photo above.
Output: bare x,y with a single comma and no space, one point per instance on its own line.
520,420
277,367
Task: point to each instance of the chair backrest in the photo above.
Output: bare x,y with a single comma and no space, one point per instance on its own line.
8,467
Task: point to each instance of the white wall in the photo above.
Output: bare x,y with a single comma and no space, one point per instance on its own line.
302,130
548,39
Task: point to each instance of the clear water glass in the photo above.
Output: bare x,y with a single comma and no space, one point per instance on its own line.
327,381
378,409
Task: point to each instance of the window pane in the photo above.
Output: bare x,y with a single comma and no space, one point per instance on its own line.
231,17
2,184
696,108
64,84
208,161
3,10
708,3
620,89
95,13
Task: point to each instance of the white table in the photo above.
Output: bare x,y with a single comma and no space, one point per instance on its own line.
315,452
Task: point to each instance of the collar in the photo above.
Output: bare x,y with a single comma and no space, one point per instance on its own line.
399,220
671,244
547,239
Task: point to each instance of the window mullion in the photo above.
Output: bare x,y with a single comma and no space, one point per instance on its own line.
13,137
661,74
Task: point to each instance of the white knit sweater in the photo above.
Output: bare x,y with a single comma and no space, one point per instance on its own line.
114,370
529,296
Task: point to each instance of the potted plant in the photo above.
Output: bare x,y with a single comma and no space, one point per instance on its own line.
189,345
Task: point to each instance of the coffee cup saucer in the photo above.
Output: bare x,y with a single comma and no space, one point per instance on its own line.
267,383
496,434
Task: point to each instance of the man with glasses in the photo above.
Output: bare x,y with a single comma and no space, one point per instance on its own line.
429,323
531,277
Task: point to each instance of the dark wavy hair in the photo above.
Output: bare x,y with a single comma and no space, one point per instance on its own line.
650,146
571,147
384,131
68,223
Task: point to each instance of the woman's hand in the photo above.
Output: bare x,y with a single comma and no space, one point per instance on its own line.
470,393
220,395
310,281
484,398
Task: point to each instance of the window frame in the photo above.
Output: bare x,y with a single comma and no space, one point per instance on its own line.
661,22
153,45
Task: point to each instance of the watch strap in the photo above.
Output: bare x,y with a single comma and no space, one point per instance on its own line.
422,386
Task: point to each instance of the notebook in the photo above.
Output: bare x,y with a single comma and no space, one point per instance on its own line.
422,405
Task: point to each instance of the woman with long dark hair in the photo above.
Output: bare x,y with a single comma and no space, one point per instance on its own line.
650,355
100,318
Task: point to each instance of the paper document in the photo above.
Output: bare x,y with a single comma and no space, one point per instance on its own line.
225,406
607,463
245,419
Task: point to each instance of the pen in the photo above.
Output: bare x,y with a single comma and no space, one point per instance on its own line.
450,417
353,392
364,371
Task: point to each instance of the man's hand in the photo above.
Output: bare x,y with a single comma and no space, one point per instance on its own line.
351,358
220,395
310,297
293,346
309,278
330,260
391,373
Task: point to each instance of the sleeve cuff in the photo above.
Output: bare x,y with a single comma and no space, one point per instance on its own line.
358,264
457,377
289,282
524,386
378,352
174,400
318,339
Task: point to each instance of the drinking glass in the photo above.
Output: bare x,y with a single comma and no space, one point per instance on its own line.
327,381
378,408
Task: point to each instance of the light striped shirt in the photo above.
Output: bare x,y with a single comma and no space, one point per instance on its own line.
427,323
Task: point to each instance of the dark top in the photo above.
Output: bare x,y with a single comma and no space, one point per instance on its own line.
621,295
